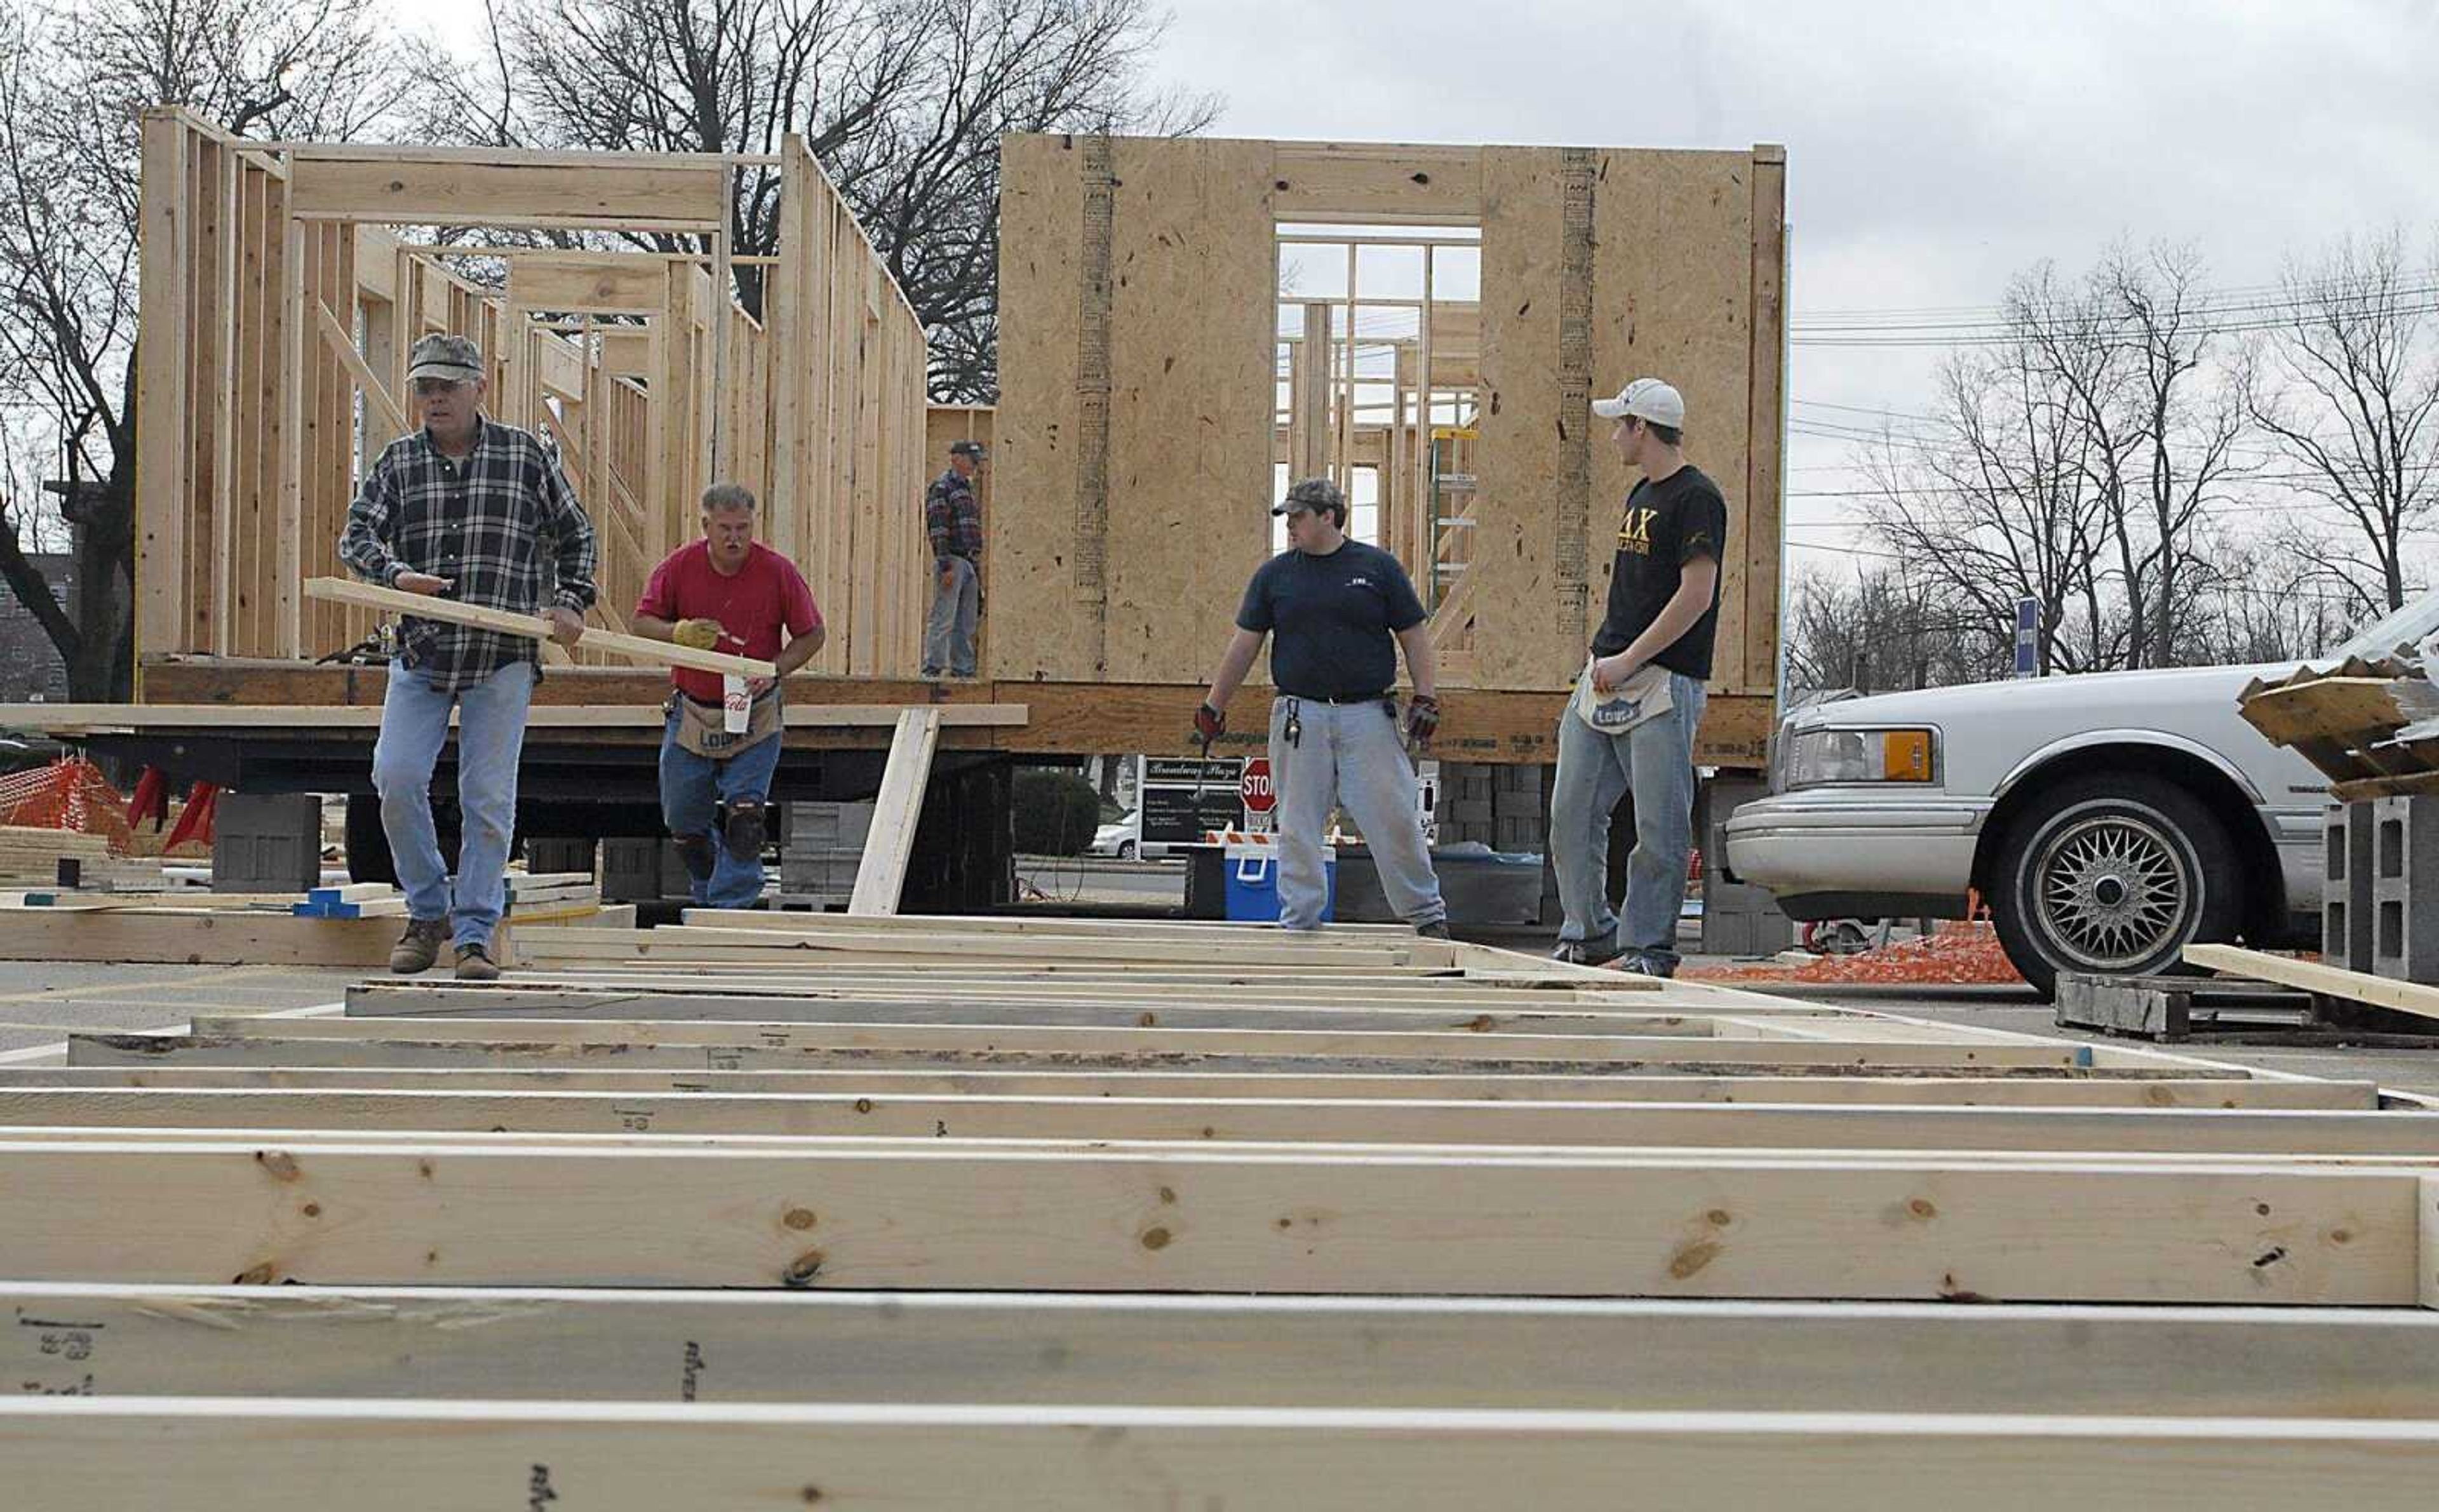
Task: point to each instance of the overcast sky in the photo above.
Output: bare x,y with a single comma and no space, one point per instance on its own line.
1933,150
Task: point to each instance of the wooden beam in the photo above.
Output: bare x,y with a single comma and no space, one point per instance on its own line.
1296,1032
2148,1133
890,843
535,1042
632,648
1278,948
1255,1011
565,1345
914,1004
287,1455
1894,1088
2317,976
1204,1221
1377,184
385,412
427,188
82,719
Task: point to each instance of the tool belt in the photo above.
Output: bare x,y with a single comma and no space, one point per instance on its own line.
702,728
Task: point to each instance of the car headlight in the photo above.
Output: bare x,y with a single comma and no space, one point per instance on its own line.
1816,756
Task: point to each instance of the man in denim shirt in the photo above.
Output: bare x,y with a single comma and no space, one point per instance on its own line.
478,512
1645,682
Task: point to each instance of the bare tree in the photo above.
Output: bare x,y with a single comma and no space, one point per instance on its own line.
903,101
2129,349
74,79
1994,504
1887,631
2348,388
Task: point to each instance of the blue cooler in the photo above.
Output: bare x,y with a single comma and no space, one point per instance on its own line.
1252,881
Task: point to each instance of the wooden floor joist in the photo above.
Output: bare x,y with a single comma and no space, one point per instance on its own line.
605,1344
537,1043
712,1012
1487,1223
2265,1134
216,1454
2196,1090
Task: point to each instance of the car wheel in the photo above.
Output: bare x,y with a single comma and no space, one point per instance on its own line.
1126,850
2113,875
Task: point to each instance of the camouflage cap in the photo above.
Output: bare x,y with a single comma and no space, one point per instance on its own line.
1313,493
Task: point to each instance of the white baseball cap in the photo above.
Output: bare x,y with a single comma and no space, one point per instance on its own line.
1646,399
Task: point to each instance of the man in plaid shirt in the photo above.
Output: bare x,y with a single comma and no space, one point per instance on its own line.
479,512
954,522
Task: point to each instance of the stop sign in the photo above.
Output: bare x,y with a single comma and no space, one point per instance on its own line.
1260,798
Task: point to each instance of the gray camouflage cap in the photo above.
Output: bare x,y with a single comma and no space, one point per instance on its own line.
1311,493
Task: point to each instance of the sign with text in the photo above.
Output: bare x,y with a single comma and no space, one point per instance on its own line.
1181,798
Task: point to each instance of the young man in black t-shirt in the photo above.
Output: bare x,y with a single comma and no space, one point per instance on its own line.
1630,725
1337,610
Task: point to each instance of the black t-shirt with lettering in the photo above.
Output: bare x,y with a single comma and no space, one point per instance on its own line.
1666,525
1334,620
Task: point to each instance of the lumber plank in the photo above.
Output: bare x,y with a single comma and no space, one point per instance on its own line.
462,1042
425,186
889,845
539,1343
543,1109
289,1455
2316,976
957,1008
632,648
748,997
1199,1220
1275,949
1893,1087
81,719
202,936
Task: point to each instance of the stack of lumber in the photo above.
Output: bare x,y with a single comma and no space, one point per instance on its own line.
2371,727
1080,1215
32,856
351,925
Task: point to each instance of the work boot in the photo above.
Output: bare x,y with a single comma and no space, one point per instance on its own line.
474,964
1638,963
419,946
1574,953
1435,929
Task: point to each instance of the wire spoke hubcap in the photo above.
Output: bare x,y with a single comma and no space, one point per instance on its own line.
2112,891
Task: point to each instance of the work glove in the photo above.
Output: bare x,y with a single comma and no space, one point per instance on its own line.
1422,718
697,634
1208,722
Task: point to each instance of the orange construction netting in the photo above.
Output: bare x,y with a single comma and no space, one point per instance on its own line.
71,793
1958,953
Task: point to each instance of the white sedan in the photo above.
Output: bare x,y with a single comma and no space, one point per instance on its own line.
2107,819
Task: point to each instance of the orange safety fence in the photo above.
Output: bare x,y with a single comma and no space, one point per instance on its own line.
1960,952
72,795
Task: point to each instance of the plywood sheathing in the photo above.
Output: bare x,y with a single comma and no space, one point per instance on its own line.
1664,275
1193,275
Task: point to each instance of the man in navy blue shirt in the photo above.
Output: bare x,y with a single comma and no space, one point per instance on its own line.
1337,610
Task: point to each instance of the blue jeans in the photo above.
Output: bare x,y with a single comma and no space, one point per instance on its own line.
491,739
948,632
691,785
1654,761
1351,755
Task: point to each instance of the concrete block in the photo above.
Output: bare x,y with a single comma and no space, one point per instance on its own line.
2405,888
267,842
2346,906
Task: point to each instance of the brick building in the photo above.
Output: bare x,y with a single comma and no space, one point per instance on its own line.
31,669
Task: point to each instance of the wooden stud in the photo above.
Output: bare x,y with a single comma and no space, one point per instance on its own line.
890,843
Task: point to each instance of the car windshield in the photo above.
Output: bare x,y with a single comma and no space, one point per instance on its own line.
2402,627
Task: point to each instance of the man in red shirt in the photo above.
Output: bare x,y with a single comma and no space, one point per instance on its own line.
726,592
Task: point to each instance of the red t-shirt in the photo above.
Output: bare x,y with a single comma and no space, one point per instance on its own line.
765,604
